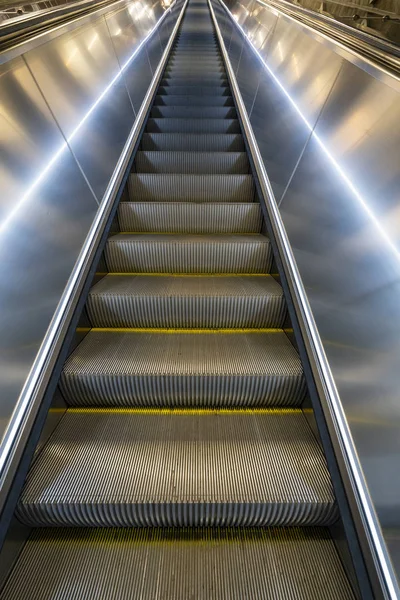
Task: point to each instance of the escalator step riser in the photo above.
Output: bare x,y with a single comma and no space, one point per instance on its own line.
191,188
186,302
179,217
212,457
162,370
189,90
194,162
192,142
133,254
192,81
193,101
194,112
211,79
193,126
209,61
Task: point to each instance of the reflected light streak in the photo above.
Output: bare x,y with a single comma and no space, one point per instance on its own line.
93,41
383,233
73,134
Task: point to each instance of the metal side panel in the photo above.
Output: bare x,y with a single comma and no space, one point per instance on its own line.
218,163
126,564
191,188
184,253
190,217
188,302
148,368
193,125
232,468
199,142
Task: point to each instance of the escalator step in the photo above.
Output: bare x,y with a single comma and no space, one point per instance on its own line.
231,468
180,369
198,142
199,70
193,126
174,302
219,163
209,61
181,217
162,187
186,253
193,100
194,112
210,82
125,564
195,90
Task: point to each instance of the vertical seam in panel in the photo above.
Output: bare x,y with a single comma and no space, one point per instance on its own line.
119,64
59,128
148,58
310,135
240,57
255,96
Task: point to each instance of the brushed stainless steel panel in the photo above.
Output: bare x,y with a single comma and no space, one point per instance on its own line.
127,31
293,88
235,48
78,75
264,25
46,210
138,76
341,213
154,51
248,76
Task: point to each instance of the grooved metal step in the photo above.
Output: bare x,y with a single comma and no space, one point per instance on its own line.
191,162
181,217
193,125
129,368
194,112
184,90
146,253
162,187
193,101
268,563
199,70
208,61
210,76
210,82
186,302
226,469
198,142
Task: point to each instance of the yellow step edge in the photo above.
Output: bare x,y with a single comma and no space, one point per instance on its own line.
165,330
185,411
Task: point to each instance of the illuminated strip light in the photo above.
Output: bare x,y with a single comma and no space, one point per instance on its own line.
69,139
327,152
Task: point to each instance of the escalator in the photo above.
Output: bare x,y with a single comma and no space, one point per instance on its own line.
184,466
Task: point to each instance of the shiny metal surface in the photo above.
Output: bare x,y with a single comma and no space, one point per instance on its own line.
51,221
339,192
73,73
46,211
